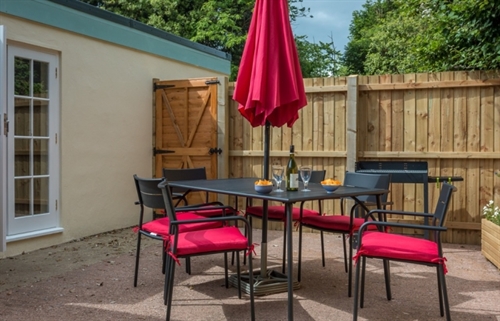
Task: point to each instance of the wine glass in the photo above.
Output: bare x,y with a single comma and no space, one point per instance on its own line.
278,176
305,174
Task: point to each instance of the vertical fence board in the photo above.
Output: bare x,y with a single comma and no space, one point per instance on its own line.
409,121
372,126
385,117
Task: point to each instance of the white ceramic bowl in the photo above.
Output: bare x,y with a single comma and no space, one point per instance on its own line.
263,189
330,188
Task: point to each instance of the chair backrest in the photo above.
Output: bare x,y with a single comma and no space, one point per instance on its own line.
442,203
317,175
167,200
368,181
181,174
149,193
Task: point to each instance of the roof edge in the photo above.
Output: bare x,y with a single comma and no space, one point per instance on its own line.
127,22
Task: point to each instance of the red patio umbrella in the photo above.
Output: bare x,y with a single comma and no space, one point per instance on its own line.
269,86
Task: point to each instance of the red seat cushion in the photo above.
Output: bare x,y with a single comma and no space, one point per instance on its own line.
399,247
227,238
277,212
161,226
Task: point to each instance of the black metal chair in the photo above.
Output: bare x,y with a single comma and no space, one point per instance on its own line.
149,196
344,224
224,239
380,244
276,213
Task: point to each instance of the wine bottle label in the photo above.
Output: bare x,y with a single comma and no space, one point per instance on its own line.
294,180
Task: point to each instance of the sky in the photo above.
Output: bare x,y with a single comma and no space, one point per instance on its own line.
331,19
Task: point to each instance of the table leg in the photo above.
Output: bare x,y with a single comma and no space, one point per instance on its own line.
263,250
289,229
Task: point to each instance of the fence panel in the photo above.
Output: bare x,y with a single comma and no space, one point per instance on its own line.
450,119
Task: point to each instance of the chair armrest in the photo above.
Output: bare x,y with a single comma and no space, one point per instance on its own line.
380,211
195,206
402,225
225,208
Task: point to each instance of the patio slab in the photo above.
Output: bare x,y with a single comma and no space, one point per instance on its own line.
92,280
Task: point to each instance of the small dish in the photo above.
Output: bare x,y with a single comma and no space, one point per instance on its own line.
263,189
330,188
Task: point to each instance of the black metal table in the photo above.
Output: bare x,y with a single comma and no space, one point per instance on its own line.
244,187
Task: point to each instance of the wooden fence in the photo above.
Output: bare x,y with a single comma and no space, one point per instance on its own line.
451,120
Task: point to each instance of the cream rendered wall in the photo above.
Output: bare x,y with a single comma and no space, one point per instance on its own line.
106,127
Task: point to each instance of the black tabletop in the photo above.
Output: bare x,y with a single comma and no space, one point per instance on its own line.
244,187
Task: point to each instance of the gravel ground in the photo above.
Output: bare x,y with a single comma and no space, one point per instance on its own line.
91,279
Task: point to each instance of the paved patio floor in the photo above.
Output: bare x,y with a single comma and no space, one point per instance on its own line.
101,288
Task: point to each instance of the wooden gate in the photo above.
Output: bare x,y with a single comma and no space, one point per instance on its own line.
186,125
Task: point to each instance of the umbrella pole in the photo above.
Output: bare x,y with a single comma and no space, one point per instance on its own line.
263,262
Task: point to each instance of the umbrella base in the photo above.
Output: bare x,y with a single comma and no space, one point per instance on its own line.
275,282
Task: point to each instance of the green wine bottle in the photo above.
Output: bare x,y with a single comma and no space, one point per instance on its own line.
292,172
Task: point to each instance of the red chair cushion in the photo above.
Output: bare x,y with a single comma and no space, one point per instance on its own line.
398,247
227,238
277,212
161,226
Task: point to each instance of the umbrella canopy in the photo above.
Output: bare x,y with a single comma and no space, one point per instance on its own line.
269,87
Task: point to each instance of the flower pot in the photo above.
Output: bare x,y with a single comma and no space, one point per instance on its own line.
490,241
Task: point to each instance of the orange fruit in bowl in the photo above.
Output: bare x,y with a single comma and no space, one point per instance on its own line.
263,182
331,181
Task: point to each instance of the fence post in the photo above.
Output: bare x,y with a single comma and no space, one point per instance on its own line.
351,126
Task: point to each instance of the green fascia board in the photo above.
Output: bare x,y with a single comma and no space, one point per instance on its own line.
87,20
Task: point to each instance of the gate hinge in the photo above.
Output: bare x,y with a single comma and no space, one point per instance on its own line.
161,151
211,82
5,125
156,86
212,151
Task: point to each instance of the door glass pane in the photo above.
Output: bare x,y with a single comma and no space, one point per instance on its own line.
41,188
40,79
40,118
21,117
22,71
40,157
22,157
22,197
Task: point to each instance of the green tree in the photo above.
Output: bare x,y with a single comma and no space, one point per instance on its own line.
318,59
404,36
361,32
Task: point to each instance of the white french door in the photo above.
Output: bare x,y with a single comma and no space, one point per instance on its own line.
32,141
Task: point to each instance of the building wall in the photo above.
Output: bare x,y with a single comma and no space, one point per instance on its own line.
106,125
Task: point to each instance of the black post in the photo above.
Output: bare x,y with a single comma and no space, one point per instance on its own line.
267,134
